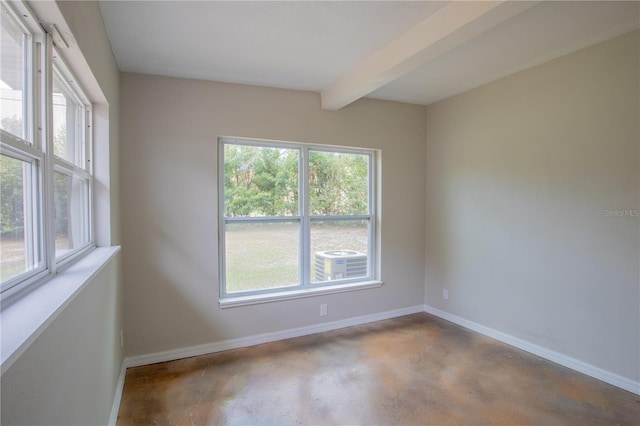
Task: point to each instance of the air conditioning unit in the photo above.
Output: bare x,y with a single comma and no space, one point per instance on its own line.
340,264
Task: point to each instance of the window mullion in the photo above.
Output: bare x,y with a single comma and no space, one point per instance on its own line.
34,204
32,227
305,226
340,218
233,219
46,106
38,91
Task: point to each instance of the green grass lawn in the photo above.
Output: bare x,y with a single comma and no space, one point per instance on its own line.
259,256
12,256
265,255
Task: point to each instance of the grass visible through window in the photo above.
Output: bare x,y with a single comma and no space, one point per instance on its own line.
265,255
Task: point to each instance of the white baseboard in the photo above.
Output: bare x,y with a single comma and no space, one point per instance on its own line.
117,397
558,358
265,338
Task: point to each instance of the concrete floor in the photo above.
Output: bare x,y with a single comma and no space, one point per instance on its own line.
416,369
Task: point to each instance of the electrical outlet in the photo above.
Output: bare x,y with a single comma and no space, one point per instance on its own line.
323,310
445,294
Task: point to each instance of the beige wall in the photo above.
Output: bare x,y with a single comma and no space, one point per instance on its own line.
169,132
520,175
68,375
85,21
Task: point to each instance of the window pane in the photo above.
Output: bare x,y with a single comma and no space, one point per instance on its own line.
339,249
260,181
19,250
12,75
338,183
71,198
67,124
261,255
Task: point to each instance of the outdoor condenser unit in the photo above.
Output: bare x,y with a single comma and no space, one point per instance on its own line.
340,264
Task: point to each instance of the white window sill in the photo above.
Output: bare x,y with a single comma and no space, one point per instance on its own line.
231,302
24,319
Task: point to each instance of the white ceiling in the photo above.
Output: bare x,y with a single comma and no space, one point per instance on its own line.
341,48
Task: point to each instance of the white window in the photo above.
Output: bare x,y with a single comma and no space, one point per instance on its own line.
71,172
294,216
45,152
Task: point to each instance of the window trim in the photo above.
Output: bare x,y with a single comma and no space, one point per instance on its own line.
277,296
28,154
50,295
41,61
306,287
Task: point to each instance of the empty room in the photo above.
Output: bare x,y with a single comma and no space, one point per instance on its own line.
320,212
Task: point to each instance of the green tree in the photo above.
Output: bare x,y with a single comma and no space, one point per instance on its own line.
12,125
260,181
263,181
11,186
338,183
60,141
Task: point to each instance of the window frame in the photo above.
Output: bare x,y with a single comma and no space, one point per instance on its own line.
42,60
61,165
304,218
9,147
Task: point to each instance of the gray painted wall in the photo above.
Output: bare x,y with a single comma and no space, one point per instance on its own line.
169,134
520,176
